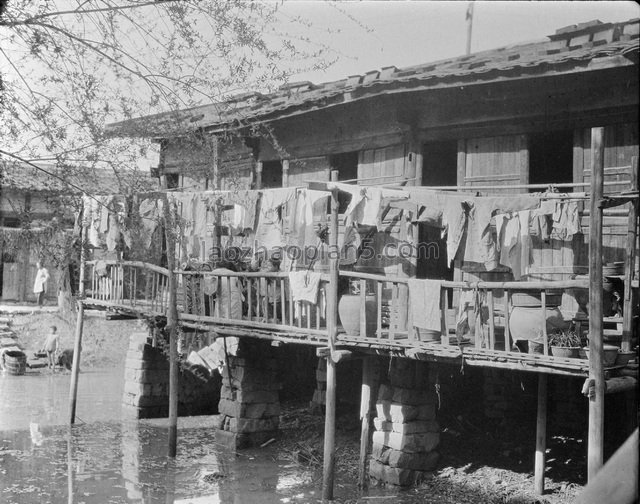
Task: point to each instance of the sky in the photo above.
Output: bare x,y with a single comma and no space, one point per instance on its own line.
405,33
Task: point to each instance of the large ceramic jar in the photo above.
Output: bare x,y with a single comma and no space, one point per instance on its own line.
349,312
525,319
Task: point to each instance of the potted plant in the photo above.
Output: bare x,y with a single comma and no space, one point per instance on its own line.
564,343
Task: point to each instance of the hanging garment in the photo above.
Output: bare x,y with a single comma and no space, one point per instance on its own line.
304,285
269,228
309,204
454,218
480,244
525,244
475,299
366,202
515,242
113,234
542,226
566,220
424,299
349,243
150,211
245,205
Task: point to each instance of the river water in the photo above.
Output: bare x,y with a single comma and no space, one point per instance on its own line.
107,458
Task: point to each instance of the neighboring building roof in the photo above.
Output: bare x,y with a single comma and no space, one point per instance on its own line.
574,48
49,178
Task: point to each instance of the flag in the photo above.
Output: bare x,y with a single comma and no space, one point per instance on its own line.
469,15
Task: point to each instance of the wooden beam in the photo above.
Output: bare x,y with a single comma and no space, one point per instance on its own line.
620,384
77,345
630,265
329,456
369,387
541,435
595,444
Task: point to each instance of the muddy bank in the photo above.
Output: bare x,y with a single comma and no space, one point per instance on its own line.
104,342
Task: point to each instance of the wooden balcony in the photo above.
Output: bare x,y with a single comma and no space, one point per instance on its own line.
263,308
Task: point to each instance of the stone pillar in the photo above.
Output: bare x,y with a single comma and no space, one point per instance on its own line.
146,387
249,399
317,403
406,432
146,374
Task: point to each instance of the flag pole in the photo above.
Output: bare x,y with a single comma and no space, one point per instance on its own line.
469,18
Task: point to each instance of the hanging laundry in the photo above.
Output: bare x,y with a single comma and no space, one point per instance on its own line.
424,299
150,211
515,241
480,246
366,202
245,205
309,204
304,285
349,243
566,220
91,219
475,299
269,228
113,234
454,218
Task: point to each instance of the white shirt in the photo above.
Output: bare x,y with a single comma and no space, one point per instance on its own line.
41,279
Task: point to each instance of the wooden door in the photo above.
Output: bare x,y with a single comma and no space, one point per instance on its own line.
494,161
11,281
382,166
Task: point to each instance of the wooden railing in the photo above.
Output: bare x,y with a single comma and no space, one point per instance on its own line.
262,301
259,300
132,284
393,317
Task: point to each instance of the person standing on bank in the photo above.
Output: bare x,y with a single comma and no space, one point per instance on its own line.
40,284
51,347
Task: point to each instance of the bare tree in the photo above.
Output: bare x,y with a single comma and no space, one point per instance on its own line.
70,67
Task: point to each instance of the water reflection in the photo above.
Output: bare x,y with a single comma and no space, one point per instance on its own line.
107,459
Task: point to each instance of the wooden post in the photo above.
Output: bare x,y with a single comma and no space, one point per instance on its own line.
258,174
596,369
329,456
171,328
215,162
285,173
630,265
369,384
541,434
77,345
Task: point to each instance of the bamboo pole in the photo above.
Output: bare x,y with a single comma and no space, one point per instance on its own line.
630,265
77,345
329,456
541,434
171,328
596,369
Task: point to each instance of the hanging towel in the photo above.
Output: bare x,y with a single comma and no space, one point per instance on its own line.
424,297
304,285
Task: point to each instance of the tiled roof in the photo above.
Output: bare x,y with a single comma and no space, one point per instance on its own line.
570,49
23,176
